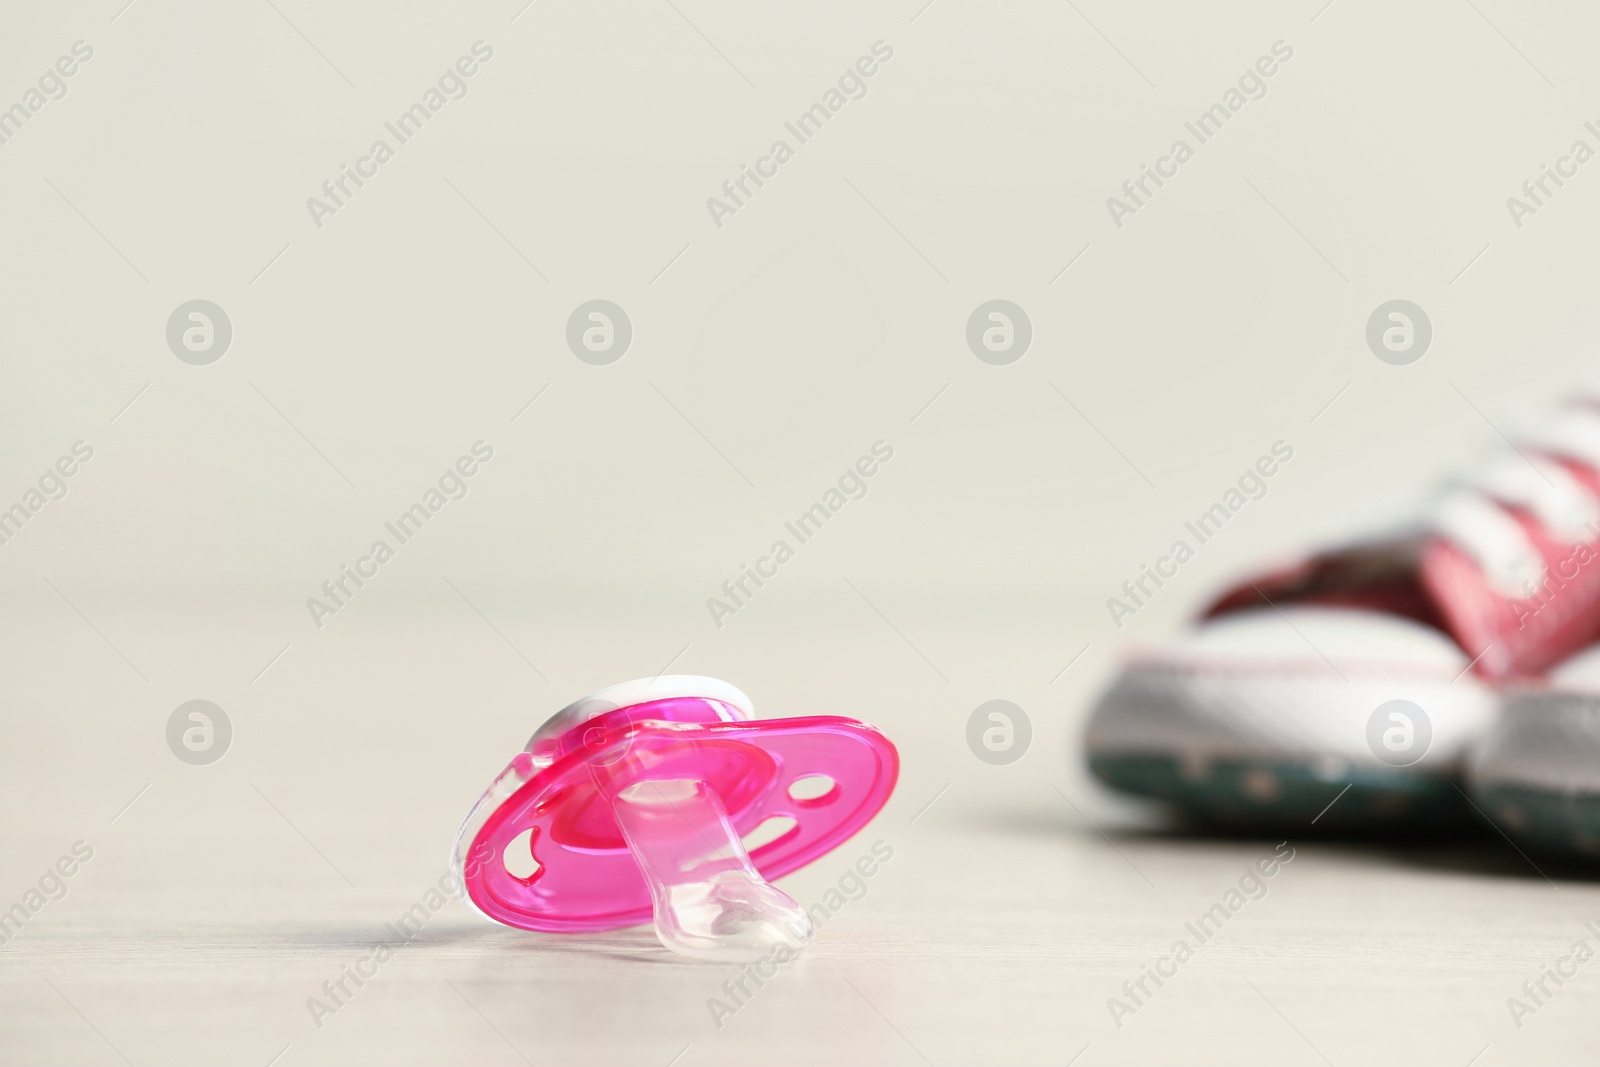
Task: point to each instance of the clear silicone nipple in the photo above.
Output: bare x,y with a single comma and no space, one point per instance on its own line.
710,901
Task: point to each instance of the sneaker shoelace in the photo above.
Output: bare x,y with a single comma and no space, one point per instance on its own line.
1474,515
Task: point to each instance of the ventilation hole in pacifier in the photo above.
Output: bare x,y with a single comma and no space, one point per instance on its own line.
772,828
518,856
813,789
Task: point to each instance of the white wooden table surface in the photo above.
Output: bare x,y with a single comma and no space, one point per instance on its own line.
220,900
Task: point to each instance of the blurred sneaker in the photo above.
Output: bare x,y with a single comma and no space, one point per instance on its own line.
1536,775
1363,675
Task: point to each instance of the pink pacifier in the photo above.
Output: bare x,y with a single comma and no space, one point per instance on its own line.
633,802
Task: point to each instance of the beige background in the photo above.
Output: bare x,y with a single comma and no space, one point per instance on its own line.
767,355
